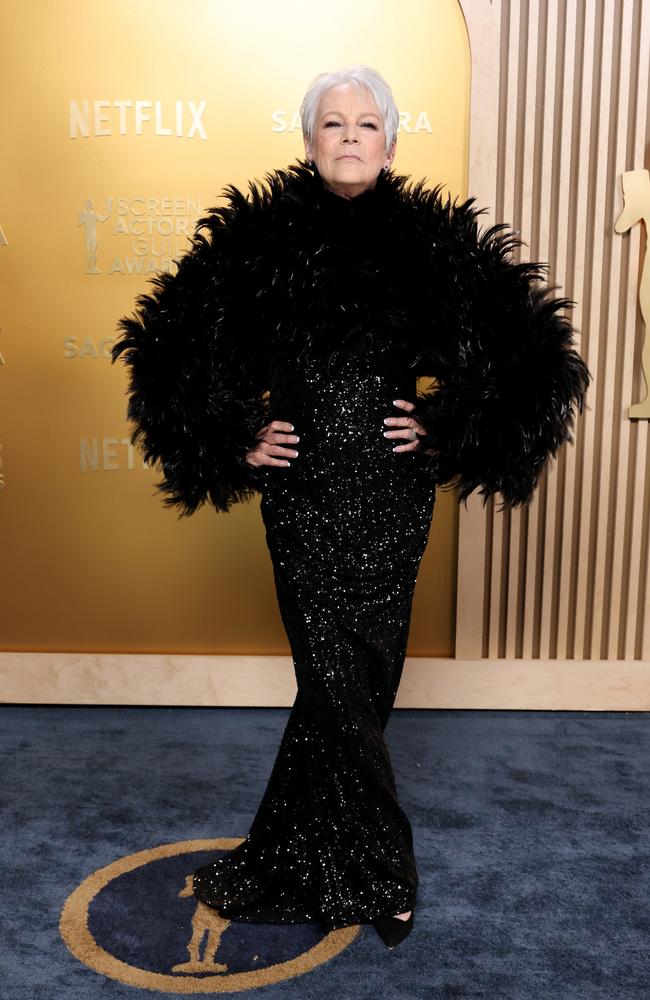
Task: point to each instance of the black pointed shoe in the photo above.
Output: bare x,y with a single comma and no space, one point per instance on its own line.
392,930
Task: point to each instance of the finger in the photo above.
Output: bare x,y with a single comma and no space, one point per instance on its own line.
406,430
269,460
278,449
275,437
401,432
411,446
408,422
281,425
399,421
404,404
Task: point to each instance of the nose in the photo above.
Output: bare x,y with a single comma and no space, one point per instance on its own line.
349,134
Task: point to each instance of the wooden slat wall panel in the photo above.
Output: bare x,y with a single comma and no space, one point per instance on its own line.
568,576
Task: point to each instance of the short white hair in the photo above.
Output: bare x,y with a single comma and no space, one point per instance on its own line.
360,77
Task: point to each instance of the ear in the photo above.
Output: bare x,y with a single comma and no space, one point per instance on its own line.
309,149
390,155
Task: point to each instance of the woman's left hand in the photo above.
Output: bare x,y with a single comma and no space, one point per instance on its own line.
404,428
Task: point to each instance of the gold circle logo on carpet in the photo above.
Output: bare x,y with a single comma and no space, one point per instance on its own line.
137,921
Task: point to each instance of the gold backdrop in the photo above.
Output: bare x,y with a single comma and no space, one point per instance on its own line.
122,122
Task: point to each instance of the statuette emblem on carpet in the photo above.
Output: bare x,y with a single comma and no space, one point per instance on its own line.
136,920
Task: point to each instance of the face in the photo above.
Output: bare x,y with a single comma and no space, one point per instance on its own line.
349,140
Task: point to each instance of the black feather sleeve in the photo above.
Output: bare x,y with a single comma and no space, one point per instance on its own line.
197,366
509,379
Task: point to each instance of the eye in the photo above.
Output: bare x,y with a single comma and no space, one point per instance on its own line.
364,125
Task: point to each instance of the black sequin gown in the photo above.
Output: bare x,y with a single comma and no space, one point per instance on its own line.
346,524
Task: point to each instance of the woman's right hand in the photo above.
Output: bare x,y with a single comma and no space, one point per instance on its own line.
271,441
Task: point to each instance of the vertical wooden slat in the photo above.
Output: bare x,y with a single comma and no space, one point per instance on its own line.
546,558
512,12
634,561
519,210
578,35
588,563
643,609
522,211
609,280
621,568
639,515
559,508
533,582
643,614
474,545
510,21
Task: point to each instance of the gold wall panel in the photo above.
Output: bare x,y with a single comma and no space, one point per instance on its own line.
122,123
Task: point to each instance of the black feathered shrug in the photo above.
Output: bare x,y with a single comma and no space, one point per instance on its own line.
292,267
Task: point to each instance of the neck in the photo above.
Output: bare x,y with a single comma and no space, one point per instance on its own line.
345,192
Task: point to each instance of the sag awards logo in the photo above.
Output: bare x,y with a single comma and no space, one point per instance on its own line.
284,121
88,347
137,921
157,230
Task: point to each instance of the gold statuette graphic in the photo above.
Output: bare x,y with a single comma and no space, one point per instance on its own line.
207,928
636,206
88,218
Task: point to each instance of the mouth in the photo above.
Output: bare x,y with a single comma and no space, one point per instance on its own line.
348,156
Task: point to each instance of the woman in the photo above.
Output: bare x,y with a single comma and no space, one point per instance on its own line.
333,289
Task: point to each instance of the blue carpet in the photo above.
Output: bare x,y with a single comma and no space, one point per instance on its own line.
531,831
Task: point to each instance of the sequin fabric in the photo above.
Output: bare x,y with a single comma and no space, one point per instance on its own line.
346,526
